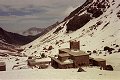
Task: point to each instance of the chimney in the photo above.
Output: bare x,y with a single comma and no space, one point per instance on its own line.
75,45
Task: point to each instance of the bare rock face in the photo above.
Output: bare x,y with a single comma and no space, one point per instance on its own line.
78,22
97,8
78,10
83,14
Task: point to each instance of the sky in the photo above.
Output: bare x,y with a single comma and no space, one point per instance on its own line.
20,15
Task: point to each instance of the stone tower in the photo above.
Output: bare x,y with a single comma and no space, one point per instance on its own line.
75,45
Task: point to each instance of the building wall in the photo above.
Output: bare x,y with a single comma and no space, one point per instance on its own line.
31,62
72,57
65,66
102,64
61,52
54,64
62,59
91,62
3,68
81,61
40,63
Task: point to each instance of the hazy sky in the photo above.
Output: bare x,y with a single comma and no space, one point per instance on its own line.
19,15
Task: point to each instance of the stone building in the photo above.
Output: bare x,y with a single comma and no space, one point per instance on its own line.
39,63
98,62
71,57
56,63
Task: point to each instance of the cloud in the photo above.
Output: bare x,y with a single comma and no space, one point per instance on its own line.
27,13
19,3
29,10
69,10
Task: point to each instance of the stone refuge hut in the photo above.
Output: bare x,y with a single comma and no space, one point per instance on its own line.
73,57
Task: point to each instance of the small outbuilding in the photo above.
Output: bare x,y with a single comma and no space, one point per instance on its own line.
99,62
2,66
39,63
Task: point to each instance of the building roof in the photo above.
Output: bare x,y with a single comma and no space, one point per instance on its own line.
73,53
43,60
91,58
68,61
62,63
99,59
74,41
64,55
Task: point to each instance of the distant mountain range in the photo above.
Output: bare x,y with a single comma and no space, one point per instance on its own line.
9,40
14,38
36,31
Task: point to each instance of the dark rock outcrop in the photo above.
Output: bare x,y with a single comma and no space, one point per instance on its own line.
78,22
83,14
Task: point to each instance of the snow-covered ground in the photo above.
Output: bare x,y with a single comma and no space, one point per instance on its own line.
92,73
57,74
14,63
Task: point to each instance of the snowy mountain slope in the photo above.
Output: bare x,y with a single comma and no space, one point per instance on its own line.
96,33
